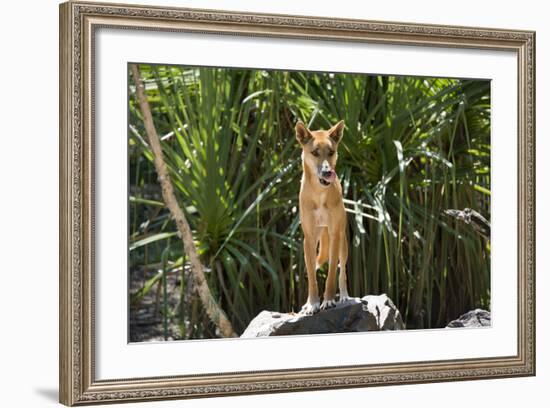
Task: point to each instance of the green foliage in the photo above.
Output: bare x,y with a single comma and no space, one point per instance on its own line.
412,148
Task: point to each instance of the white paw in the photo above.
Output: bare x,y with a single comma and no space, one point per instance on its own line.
344,298
310,308
328,304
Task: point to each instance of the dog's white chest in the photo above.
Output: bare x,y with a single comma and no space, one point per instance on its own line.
321,217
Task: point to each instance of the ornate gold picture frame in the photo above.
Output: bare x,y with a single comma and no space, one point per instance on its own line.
78,25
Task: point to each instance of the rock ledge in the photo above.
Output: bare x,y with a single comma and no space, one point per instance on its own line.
473,318
369,313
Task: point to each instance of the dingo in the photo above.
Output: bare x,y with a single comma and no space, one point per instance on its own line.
322,214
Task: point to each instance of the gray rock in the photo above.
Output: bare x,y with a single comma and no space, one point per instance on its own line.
369,313
473,318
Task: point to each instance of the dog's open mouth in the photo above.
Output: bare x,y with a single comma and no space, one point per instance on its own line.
327,177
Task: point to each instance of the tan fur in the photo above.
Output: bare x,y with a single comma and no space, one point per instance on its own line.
322,215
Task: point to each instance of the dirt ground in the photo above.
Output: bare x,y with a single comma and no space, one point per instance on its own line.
146,322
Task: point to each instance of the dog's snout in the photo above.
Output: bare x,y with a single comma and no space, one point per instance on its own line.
325,170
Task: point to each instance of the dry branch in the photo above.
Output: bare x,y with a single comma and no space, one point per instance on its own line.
471,217
214,311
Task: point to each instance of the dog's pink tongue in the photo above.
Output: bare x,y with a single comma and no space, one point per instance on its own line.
330,177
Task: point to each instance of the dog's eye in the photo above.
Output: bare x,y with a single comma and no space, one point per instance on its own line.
315,153
331,153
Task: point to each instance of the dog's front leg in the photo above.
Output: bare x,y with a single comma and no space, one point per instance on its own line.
310,246
329,300
343,280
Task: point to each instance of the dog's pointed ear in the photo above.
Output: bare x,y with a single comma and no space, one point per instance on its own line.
336,132
303,135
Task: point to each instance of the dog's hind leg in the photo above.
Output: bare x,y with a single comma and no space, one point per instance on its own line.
342,279
322,256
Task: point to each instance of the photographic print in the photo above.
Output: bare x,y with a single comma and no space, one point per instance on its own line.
260,217
316,202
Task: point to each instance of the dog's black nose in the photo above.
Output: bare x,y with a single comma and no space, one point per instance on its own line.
326,173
